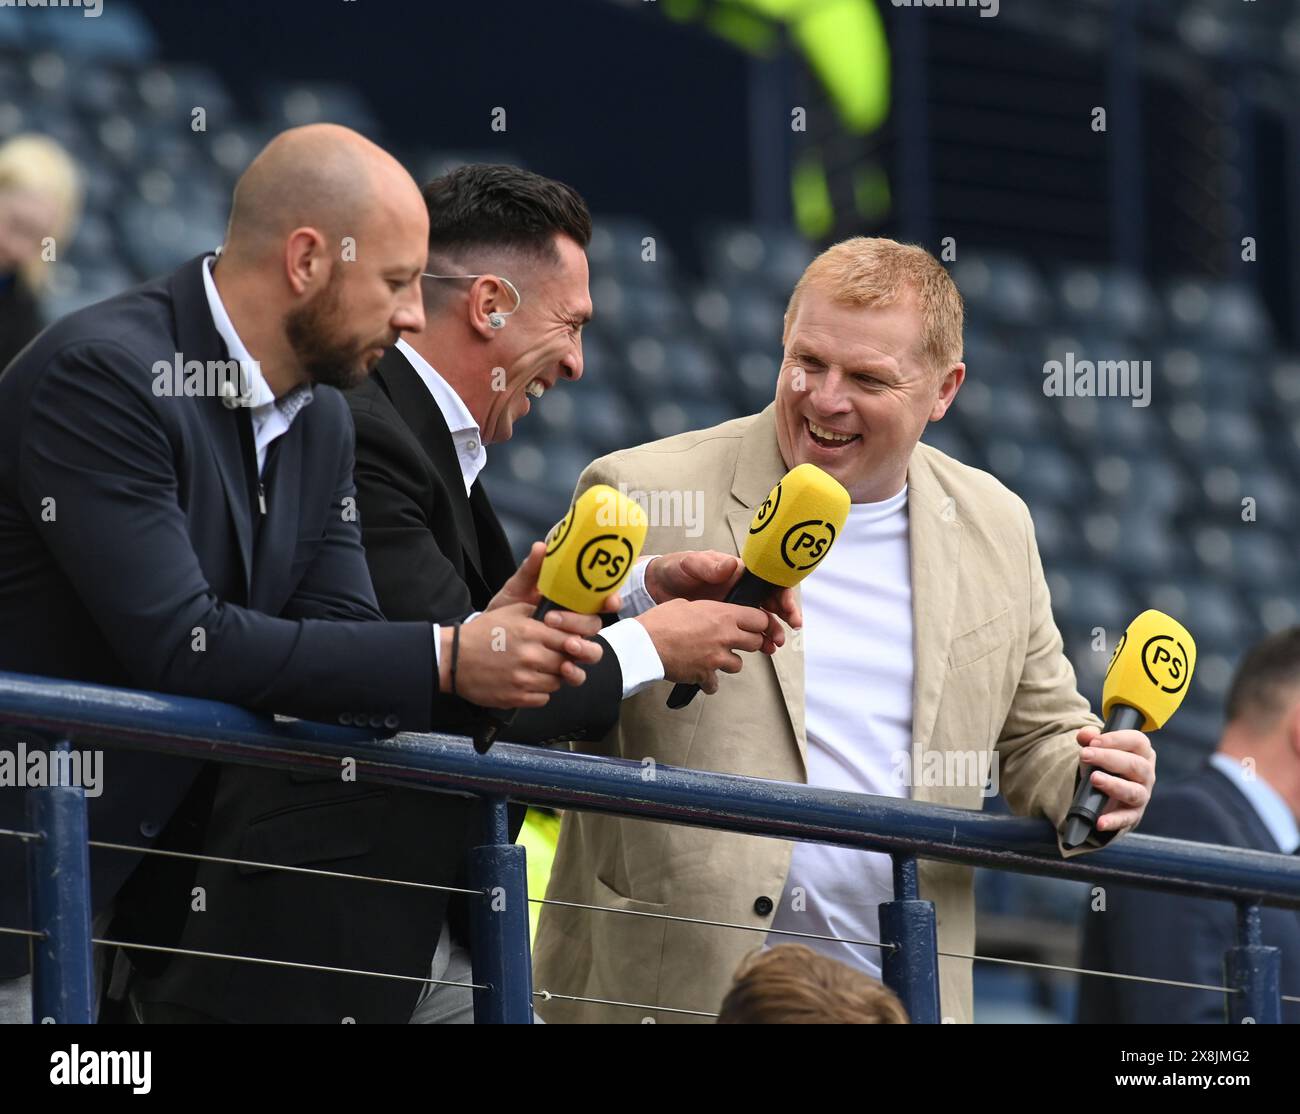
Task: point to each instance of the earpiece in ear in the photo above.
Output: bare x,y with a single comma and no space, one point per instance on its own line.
496,320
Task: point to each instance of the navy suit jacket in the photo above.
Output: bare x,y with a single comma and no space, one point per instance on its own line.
131,553
1162,935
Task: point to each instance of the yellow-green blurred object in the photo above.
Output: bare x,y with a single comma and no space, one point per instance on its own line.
814,214
743,28
539,837
843,40
871,192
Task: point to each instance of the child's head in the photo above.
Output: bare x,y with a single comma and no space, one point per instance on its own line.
794,985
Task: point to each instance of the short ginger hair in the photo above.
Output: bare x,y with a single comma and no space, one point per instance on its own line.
791,984
874,271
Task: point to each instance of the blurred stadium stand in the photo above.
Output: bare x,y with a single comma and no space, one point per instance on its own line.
1134,507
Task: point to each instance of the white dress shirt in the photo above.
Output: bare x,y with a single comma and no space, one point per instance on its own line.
465,435
629,641
271,416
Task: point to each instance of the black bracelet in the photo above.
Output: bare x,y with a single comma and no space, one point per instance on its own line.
455,655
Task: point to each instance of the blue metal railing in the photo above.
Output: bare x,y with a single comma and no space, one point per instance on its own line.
63,712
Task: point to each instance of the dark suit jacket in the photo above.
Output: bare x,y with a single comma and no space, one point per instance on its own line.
1143,932
20,317
131,553
434,555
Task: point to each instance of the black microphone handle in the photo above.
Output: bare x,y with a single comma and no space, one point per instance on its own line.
1081,820
486,733
748,591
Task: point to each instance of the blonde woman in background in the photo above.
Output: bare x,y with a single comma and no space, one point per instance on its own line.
40,197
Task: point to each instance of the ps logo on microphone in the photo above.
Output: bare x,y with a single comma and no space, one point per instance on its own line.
603,561
559,533
766,510
1165,662
806,543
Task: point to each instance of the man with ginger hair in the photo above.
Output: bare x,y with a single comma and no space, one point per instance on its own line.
926,629
791,984
177,513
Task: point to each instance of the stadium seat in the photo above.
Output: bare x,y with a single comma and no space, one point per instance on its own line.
292,104
1110,298
772,257
618,246
1225,315
1002,289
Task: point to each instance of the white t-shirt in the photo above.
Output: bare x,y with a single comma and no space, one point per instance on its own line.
857,611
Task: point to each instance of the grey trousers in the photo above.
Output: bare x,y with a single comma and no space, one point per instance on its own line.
16,1001
449,1005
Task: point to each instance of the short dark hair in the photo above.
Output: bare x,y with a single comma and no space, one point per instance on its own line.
485,205
1269,668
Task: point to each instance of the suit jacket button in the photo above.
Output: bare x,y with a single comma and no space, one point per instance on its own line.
376,721
763,906
345,719
148,828
391,722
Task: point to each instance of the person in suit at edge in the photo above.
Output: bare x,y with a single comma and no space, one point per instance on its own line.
40,198
437,552
928,632
176,510
1247,794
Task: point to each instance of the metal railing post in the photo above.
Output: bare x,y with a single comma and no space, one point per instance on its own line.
59,875
1255,971
910,968
499,925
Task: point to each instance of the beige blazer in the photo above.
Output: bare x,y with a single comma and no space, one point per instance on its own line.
989,674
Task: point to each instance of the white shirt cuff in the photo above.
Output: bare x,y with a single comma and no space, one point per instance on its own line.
437,639
636,600
636,653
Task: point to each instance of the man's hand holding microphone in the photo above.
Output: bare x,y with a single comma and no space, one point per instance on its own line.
1146,680
790,534
509,659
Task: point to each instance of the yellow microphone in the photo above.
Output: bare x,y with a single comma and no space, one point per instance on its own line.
792,531
589,554
1146,680
591,551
